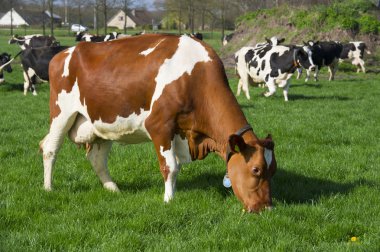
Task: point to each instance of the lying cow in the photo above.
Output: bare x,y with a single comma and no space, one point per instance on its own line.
5,60
325,53
81,36
35,64
33,41
272,65
355,51
182,103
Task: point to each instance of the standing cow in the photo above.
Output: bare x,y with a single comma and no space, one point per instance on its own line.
325,53
181,102
5,60
33,41
355,51
272,64
35,64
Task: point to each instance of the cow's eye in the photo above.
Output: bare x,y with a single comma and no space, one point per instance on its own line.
256,171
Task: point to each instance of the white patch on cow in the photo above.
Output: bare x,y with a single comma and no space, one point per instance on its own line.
309,55
87,37
181,62
149,50
268,156
130,130
69,51
125,130
107,37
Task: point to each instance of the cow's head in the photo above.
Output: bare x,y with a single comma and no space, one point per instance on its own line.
4,59
16,39
303,57
250,167
274,40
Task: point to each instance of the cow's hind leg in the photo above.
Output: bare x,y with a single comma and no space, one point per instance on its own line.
52,142
26,82
98,156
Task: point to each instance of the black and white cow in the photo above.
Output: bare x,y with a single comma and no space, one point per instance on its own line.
81,36
272,65
325,53
35,63
33,41
5,60
355,51
227,38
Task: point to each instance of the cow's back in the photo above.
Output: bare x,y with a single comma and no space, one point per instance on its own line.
133,78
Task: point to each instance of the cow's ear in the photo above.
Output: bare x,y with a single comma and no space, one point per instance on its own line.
236,143
268,142
281,40
304,43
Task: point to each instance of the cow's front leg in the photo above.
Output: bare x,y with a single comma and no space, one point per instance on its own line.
286,89
169,169
316,73
271,87
169,166
98,156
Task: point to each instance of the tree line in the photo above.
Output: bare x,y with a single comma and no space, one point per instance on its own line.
180,15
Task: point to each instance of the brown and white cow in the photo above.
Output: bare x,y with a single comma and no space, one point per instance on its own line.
167,89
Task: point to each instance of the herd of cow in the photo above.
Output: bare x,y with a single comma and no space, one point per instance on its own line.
171,90
274,63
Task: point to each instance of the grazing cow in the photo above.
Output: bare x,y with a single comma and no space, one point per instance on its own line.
325,53
35,64
272,65
227,38
5,60
81,36
33,41
180,101
355,51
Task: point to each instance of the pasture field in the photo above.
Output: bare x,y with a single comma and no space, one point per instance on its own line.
326,189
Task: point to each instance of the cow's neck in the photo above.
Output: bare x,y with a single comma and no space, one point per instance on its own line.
215,124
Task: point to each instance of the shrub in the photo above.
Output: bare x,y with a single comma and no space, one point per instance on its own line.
368,24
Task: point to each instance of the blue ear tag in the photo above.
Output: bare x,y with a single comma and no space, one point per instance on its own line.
226,181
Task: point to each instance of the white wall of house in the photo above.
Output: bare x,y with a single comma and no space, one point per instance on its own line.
118,21
17,19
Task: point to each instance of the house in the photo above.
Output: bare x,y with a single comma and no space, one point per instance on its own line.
28,18
134,18
18,20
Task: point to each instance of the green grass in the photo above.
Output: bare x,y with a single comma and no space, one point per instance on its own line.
326,189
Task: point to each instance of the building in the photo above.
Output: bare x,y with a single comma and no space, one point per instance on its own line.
135,18
18,20
23,17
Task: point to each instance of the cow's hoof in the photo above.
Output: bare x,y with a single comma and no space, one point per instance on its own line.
168,198
111,186
268,94
48,188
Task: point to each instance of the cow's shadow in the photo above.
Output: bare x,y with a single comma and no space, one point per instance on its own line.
12,87
312,97
288,187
